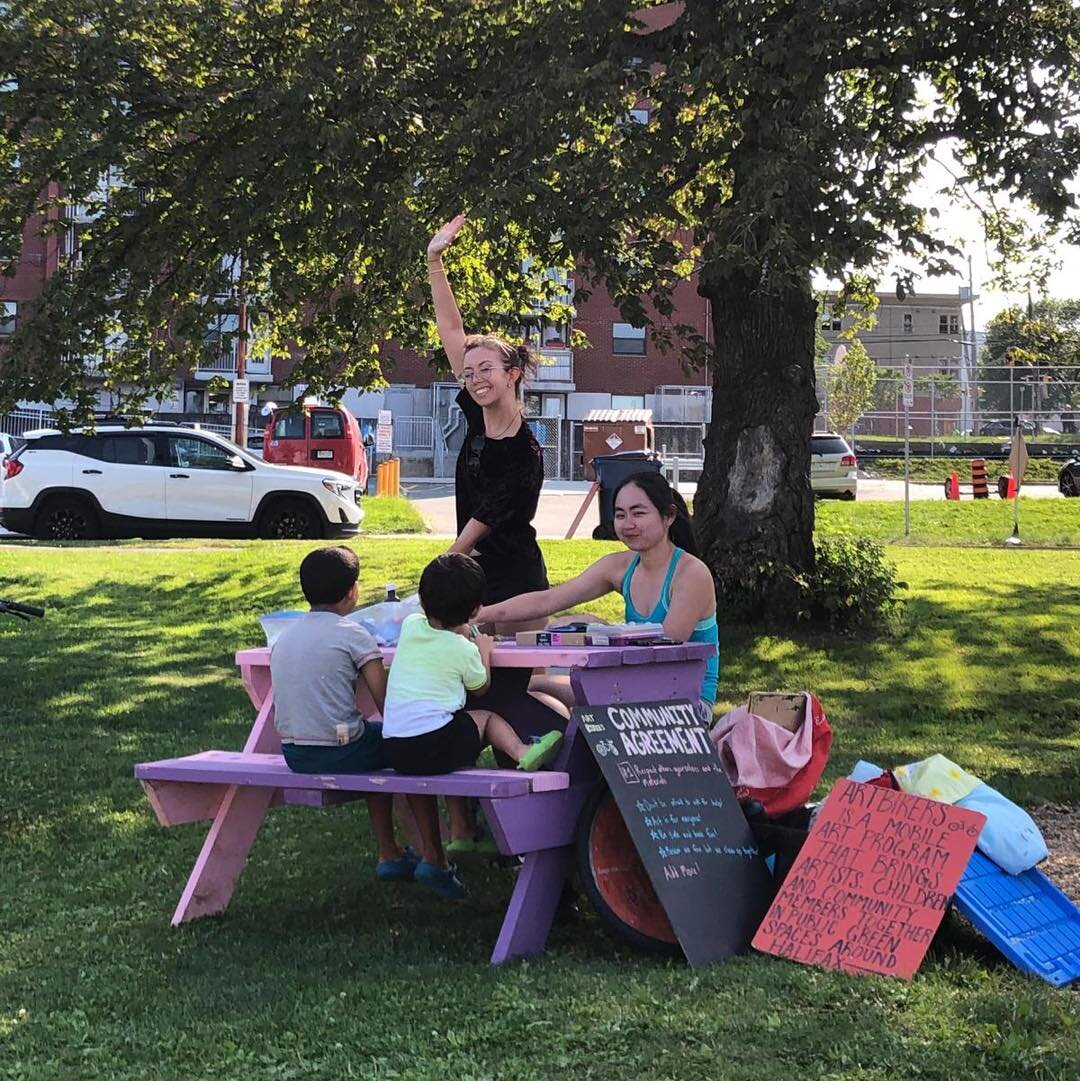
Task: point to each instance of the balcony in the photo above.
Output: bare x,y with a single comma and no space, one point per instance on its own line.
555,370
224,365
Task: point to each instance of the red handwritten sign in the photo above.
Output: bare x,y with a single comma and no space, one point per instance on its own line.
872,881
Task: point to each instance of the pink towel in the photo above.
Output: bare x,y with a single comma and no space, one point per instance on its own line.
756,753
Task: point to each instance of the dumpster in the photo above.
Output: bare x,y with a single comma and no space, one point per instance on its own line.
607,431
611,470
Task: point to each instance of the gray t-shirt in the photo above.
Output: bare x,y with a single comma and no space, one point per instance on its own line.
314,666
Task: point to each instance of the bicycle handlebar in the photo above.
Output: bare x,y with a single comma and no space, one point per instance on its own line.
24,610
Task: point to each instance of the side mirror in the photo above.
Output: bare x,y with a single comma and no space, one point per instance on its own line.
237,463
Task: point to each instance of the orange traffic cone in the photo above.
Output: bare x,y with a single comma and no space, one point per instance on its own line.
979,488
952,486
1010,490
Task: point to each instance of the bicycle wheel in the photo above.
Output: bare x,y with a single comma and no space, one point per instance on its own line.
615,879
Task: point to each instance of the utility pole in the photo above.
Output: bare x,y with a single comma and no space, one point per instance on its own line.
968,360
240,384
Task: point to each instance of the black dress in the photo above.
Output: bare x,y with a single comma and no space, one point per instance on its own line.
498,482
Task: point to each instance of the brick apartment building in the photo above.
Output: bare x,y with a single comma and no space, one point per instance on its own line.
930,331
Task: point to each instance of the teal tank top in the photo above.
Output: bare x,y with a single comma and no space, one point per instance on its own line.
705,630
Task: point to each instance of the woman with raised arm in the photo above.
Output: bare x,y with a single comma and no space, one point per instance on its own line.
500,468
659,575
499,474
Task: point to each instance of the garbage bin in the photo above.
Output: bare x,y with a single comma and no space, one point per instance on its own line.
611,471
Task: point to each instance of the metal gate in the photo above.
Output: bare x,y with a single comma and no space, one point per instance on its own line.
548,432
448,429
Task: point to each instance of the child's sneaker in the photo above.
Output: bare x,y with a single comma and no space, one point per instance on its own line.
403,869
443,880
479,844
541,752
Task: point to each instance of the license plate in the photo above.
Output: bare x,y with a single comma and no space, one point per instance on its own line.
324,455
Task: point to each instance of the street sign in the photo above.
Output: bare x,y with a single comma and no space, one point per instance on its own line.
909,385
385,417
384,438
241,391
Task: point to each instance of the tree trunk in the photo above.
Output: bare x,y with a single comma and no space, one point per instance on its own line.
754,510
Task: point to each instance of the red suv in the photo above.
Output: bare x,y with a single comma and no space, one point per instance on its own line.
318,436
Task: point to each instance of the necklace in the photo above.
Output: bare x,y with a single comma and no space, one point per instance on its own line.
513,421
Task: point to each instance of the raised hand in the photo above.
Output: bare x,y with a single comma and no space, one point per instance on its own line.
445,236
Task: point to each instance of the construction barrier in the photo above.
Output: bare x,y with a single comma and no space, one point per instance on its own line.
952,486
979,487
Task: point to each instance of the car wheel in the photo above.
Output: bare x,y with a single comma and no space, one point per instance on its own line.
848,495
66,517
1067,484
289,519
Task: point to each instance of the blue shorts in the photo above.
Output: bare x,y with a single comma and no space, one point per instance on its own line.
363,755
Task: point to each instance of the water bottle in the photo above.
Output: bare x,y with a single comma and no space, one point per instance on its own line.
391,592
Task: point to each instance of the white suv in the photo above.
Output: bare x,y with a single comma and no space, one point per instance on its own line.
165,479
833,468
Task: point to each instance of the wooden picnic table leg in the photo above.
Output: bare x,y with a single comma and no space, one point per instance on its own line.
224,852
533,903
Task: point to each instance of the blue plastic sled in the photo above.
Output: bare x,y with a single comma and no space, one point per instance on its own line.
1025,916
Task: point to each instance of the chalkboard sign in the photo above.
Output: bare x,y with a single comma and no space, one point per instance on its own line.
685,822
872,881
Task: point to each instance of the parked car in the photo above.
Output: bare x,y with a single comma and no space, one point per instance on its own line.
162,479
1069,478
317,435
1005,427
8,445
833,468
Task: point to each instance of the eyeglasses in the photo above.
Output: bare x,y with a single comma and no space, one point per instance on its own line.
476,448
468,376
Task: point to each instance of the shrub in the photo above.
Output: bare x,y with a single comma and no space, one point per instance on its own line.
854,586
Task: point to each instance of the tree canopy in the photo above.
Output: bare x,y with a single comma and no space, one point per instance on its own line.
323,141
1039,351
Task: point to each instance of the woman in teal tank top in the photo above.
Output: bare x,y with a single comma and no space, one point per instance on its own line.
659,576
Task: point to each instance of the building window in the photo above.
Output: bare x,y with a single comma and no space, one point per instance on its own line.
628,401
948,324
627,340
828,322
9,312
641,116
907,322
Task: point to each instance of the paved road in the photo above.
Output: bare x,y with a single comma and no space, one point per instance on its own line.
560,500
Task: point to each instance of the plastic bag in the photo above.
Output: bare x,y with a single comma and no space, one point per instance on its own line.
766,762
383,620
273,623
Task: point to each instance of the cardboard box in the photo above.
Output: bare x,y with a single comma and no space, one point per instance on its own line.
786,710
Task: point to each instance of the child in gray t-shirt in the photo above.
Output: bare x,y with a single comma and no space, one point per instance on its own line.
315,666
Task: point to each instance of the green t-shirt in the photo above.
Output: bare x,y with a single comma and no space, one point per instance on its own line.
431,671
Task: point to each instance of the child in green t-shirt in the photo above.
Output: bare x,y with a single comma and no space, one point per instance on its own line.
426,728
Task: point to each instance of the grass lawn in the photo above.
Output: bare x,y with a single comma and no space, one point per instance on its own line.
1053,523
935,470
317,972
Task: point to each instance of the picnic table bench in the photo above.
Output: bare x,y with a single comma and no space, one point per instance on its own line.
531,815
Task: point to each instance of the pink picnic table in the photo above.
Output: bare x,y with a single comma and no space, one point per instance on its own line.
538,824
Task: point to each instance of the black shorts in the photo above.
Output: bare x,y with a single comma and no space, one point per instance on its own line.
457,745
